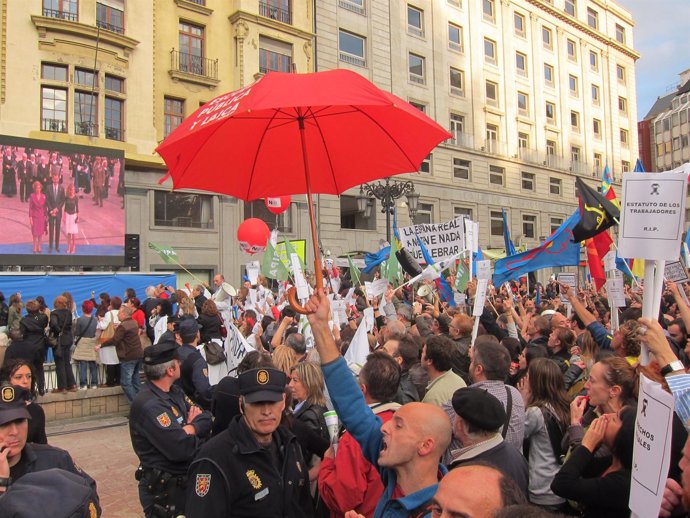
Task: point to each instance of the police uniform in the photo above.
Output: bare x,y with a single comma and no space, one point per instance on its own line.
34,457
164,448
193,368
233,476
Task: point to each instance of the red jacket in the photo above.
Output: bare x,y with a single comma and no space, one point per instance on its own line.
350,481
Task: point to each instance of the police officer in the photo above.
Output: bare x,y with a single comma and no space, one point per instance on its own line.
255,467
17,457
167,431
194,369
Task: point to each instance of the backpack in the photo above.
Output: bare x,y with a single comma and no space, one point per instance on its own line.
215,353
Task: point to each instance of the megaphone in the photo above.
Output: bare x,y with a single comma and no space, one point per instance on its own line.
408,263
225,291
426,292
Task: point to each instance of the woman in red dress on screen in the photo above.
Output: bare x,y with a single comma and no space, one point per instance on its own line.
37,215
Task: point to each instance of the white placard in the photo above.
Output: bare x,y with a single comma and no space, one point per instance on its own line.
369,318
610,261
253,269
675,271
300,281
475,241
484,269
236,347
652,450
570,279
459,298
376,288
442,240
471,238
350,297
338,310
616,290
653,214
480,297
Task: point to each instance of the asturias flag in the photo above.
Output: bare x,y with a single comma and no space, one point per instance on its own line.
596,212
557,250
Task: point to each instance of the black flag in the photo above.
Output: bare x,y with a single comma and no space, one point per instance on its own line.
596,212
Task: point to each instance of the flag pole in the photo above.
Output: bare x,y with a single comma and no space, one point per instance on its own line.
175,261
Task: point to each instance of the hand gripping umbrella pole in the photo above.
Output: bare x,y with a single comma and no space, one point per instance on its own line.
318,272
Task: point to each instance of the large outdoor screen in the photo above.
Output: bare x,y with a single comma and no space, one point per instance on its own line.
61,204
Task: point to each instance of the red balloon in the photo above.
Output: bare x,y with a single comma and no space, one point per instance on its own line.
252,235
279,204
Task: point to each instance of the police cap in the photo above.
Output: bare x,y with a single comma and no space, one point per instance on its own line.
162,352
188,327
13,404
260,385
479,408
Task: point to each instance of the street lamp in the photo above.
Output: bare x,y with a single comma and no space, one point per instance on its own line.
387,193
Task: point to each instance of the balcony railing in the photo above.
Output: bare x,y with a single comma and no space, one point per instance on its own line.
89,129
494,147
275,13
190,64
114,133
110,27
56,13
355,7
352,60
464,140
56,125
528,155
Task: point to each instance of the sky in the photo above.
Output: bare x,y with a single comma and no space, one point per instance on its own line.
660,35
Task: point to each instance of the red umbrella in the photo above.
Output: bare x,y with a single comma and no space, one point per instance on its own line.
322,132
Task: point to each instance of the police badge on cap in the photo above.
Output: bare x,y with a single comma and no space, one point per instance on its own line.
13,404
259,385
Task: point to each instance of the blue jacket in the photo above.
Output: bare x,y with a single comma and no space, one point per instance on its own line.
365,427
600,334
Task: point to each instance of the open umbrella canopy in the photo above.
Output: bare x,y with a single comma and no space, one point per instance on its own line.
248,143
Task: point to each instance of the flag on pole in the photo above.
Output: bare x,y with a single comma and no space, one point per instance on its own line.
596,261
606,181
354,271
289,250
271,265
510,248
462,277
596,212
639,168
394,274
168,254
443,287
357,352
374,259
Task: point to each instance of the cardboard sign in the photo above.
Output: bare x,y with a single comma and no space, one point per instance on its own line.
442,240
459,298
480,297
675,271
653,215
376,288
610,261
484,269
652,450
253,271
615,288
570,279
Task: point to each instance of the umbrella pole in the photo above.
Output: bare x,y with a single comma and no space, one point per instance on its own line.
318,272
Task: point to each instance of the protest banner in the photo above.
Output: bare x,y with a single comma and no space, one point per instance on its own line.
571,280
652,449
442,240
236,347
675,271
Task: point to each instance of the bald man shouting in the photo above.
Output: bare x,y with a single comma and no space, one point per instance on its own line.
405,450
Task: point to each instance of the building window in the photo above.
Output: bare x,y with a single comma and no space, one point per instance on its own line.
274,55
620,33
497,175
282,222
461,169
52,72
351,48
462,212
597,163
421,107
596,128
84,77
572,51
425,167
595,94
620,74
547,37
114,119
351,218
570,7
457,125
455,37
593,61
111,18
572,85
528,181
492,93
276,10
529,226
114,84
551,149
416,66
550,112
523,103
624,137
555,186
65,9
592,18
457,81
575,121
491,138
175,209
489,10
575,154
519,24
425,213
192,48
523,140
623,105
625,166
85,114
556,222
173,114
521,64
54,109
489,51
548,74
496,222
415,21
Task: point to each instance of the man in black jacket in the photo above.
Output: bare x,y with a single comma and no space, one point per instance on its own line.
254,468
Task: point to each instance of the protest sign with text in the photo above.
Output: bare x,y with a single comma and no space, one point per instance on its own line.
442,240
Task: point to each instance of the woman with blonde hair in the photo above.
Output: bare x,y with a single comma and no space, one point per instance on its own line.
307,388
626,341
284,358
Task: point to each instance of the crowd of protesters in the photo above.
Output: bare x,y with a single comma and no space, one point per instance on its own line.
532,417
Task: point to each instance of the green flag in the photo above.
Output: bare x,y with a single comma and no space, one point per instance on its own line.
289,250
354,272
383,268
462,277
394,271
271,265
168,254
